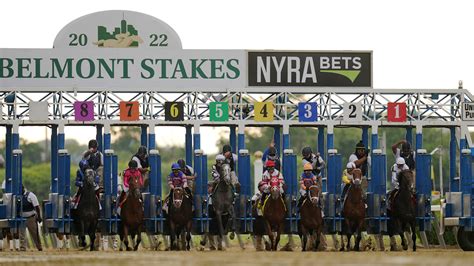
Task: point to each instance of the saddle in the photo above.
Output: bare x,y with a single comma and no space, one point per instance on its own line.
262,206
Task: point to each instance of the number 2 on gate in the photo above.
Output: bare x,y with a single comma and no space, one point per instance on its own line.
263,111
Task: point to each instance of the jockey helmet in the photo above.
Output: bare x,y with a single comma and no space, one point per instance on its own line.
226,148
132,164
83,165
175,166
360,145
220,158
93,143
306,152
272,151
350,165
182,163
308,167
400,161
142,150
270,163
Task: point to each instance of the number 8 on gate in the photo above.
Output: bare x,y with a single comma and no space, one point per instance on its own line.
84,111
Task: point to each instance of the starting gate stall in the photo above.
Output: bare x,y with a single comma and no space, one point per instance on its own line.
10,209
161,84
332,197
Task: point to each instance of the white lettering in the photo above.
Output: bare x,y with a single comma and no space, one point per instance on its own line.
309,70
263,68
294,68
279,67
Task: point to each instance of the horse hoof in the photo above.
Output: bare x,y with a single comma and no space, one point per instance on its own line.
120,249
212,248
232,236
405,247
129,249
341,249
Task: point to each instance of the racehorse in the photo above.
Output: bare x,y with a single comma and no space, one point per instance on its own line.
311,217
180,216
403,211
86,216
274,212
132,215
223,202
354,211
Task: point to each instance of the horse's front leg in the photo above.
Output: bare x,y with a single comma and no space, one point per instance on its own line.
268,228
139,238
413,234
188,234
304,237
318,238
173,245
277,240
221,230
360,225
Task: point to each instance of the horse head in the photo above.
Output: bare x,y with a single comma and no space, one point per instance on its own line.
275,192
134,187
178,196
356,177
225,173
89,177
405,179
313,193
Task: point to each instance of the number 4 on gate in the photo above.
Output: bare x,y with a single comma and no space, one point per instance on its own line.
263,111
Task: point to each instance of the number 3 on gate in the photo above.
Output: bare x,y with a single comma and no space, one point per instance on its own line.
307,112
129,111
397,112
263,111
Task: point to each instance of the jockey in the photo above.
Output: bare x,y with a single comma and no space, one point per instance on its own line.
141,158
188,171
347,178
176,179
231,159
94,157
131,172
399,166
317,163
270,154
361,158
308,179
405,152
220,159
271,177
80,174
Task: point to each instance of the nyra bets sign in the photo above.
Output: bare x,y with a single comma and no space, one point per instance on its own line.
311,69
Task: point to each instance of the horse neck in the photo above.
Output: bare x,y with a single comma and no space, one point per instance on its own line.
355,193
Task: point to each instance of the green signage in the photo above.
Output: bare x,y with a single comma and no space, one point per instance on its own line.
219,111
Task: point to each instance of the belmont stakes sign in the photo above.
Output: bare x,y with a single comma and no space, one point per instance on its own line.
144,53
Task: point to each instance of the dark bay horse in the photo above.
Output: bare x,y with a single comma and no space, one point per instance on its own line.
180,217
86,216
223,202
403,211
354,211
274,212
311,222
132,215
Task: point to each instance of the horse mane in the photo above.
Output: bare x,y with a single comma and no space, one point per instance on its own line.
403,177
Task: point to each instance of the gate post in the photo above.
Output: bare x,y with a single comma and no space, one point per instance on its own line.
376,194
244,208
332,202
467,189
423,189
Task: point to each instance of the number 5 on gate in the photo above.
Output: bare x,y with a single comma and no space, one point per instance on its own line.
129,111
263,111
219,111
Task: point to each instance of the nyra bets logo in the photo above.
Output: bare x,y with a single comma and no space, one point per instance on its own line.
310,69
123,36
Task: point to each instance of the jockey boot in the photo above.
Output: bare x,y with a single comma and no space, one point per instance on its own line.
237,187
300,202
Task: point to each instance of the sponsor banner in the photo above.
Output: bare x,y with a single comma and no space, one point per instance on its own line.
115,69
310,69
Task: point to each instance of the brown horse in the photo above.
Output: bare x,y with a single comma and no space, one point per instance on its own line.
274,212
311,217
132,215
354,211
403,211
180,216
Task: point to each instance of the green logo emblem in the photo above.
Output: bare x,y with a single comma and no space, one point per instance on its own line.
122,37
350,74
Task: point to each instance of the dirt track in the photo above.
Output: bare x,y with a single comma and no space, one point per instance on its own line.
247,257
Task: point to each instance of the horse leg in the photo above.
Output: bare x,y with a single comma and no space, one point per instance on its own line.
342,242
318,238
82,235
413,234
304,238
92,237
173,245
268,228
188,234
221,230
277,240
402,236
